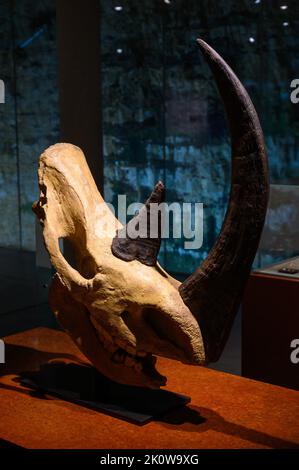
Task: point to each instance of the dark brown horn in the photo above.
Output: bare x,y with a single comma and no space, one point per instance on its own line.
145,250
214,291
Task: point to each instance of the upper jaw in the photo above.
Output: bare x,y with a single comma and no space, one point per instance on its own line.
128,366
135,365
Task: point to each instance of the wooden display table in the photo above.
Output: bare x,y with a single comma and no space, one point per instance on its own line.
226,411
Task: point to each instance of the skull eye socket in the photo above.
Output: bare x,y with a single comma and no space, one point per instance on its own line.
78,257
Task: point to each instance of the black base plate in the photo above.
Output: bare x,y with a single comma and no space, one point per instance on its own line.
85,386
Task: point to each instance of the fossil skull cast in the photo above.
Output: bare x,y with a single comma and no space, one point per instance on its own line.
118,305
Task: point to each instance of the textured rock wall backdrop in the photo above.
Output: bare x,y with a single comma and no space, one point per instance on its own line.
163,117
29,118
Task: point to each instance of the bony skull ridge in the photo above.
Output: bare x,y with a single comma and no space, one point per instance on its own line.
118,305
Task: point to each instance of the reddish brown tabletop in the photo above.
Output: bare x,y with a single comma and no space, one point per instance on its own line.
226,411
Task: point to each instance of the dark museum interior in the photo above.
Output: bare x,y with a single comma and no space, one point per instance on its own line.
126,82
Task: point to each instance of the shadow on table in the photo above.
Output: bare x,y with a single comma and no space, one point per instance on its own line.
82,384
199,419
187,418
8,445
20,358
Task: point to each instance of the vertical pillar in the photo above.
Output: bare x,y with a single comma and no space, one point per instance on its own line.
78,31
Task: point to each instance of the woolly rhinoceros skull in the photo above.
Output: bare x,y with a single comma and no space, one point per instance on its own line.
118,305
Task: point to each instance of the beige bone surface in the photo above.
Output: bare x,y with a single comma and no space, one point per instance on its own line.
119,313
117,303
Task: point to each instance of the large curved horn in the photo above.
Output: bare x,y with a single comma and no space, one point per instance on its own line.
214,291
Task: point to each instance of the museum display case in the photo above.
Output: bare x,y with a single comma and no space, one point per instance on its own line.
270,320
270,325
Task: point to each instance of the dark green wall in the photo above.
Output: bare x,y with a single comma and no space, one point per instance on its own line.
163,117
